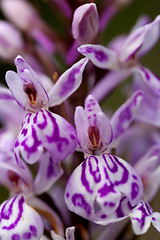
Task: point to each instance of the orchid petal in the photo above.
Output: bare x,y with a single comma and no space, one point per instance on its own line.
133,43
156,220
19,221
82,125
67,83
105,128
149,169
152,81
101,56
151,37
104,181
15,85
149,110
8,107
44,131
91,109
48,171
123,117
141,40
141,218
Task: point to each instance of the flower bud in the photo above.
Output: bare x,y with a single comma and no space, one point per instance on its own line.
11,42
85,23
20,12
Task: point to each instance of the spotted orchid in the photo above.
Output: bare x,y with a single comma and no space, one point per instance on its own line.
22,212
43,130
123,58
108,187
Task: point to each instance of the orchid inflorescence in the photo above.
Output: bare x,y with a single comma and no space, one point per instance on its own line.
70,165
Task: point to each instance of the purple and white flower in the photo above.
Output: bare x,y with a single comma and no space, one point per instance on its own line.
104,188
123,58
43,130
19,221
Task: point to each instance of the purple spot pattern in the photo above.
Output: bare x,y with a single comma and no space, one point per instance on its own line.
68,85
44,130
125,115
146,212
79,200
107,181
100,55
12,216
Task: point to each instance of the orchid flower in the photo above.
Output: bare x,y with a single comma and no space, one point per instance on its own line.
108,187
22,202
43,130
124,60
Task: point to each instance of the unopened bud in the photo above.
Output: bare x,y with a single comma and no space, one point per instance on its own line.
85,23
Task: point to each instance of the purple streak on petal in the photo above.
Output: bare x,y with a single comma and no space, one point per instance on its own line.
55,137
33,230
20,207
96,173
145,73
29,117
113,169
50,170
35,145
125,114
125,173
84,179
24,132
119,211
144,215
135,190
3,212
35,118
98,54
44,124
79,200
68,85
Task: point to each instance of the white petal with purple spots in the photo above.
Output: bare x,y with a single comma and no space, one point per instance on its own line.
97,187
18,221
101,56
44,131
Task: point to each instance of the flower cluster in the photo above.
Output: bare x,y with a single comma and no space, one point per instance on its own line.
69,163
